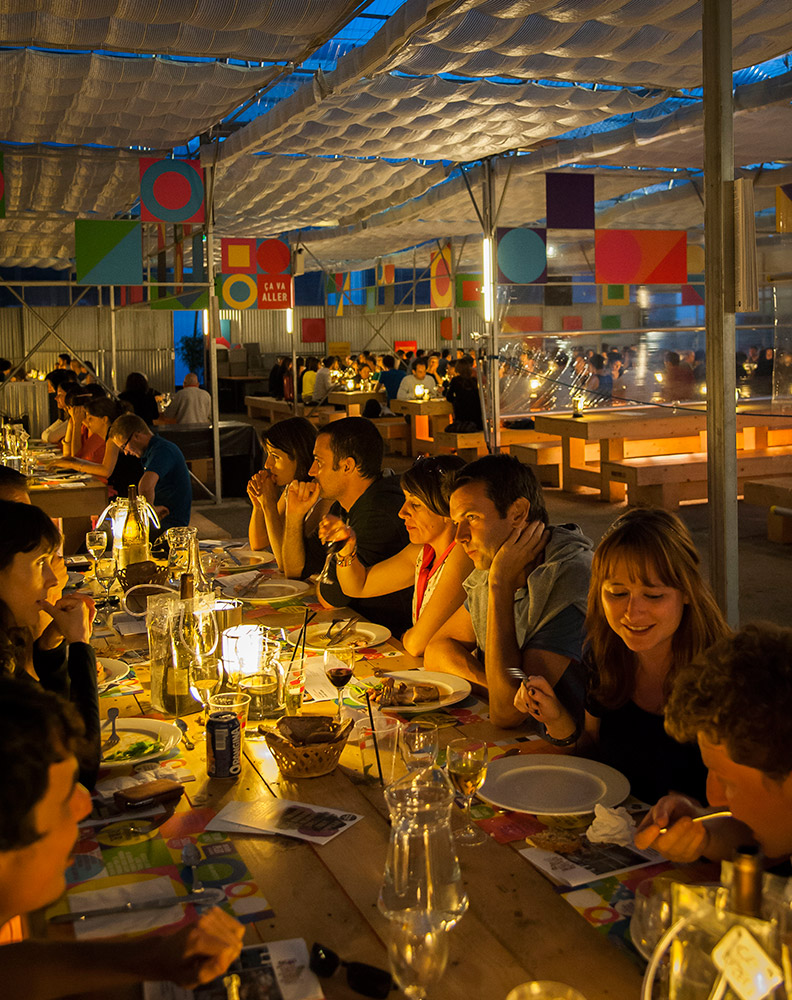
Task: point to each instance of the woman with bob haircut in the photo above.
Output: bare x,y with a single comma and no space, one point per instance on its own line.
292,535
432,563
45,637
118,470
649,614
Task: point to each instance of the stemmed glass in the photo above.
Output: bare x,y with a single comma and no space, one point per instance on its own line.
96,543
418,954
466,761
418,741
332,549
105,573
205,674
339,665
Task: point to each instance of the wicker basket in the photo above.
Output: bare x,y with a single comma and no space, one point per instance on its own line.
309,761
139,573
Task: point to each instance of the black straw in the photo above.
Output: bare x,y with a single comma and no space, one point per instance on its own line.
300,637
374,734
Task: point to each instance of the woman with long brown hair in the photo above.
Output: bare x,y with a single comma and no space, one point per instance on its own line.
649,613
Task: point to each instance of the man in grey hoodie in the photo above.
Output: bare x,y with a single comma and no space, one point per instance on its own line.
526,598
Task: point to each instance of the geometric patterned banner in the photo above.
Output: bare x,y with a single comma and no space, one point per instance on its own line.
615,295
108,253
441,293
468,290
522,256
640,256
171,191
247,256
256,274
237,291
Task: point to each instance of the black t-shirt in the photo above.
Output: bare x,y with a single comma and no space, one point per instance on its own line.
463,395
380,534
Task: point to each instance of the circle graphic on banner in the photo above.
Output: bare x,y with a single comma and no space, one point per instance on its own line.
273,256
239,291
522,256
172,191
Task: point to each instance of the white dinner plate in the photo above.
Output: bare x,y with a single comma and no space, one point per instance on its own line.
452,690
266,592
552,784
132,730
247,561
361,635
114,670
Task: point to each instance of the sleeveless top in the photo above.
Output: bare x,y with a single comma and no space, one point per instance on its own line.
428,571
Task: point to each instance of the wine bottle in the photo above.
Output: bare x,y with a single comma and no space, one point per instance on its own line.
185,646
134,534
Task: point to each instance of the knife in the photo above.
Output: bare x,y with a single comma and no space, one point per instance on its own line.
206,897
244,591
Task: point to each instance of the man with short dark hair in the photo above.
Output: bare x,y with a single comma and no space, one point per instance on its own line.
64,361
735,699
13,485
348,467
526,598
166,478
391,377
417,377
41,804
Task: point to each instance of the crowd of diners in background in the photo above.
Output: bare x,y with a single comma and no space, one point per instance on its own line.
615,650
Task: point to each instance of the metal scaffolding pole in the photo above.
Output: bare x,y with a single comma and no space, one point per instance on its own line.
113,352
212,317
488,218
720,304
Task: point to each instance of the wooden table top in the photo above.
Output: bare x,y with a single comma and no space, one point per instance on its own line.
422,407
346,396
517,927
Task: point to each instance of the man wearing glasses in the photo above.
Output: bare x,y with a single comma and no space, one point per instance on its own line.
166,478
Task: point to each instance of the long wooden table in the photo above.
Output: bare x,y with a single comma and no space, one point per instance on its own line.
74,504
353,400
517,927
647,430
428,417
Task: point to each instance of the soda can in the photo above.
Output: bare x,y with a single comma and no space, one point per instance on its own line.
223,745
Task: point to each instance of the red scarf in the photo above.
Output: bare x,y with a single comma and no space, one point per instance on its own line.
429,566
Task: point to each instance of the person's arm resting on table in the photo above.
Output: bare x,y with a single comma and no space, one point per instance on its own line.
451,650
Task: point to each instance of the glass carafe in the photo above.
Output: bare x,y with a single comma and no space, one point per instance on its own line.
422,875
193,638
184,556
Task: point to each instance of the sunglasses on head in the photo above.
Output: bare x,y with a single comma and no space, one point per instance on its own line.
367,980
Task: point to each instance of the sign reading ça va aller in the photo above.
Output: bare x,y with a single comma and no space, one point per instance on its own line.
275,291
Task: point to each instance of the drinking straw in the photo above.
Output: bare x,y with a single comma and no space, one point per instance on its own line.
374,734
300,636
308,621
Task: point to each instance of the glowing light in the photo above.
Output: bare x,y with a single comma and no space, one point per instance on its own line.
289,321
659,376
206,322
535,383
703,389
489,287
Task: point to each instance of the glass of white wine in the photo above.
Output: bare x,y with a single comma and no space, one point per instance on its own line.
205,676
466,762
105,572
96,543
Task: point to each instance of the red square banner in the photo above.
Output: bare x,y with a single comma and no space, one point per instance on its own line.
275,291
313,330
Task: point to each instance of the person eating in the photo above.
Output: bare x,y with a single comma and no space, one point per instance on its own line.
287,506
649,615
433,563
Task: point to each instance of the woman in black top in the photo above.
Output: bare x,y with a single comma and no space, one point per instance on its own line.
45,637
142,399
649,613
462,393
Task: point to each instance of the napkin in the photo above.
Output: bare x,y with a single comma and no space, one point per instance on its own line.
125,923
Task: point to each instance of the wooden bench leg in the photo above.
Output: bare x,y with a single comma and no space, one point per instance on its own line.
612,451
779,528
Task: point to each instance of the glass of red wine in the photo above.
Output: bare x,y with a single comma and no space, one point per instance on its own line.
339,665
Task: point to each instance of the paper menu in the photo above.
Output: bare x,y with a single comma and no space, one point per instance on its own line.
316,824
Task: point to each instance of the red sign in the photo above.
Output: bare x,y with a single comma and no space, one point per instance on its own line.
275,291
405,345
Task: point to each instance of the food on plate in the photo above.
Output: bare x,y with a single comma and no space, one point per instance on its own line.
392,693
353,638
133,750
558,841
102,673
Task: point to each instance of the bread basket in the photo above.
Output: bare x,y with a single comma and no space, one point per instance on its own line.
308,746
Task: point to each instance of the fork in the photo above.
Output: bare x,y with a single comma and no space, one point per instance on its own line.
332,625
113,738
342,632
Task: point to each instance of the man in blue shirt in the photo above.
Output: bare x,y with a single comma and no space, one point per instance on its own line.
166,478
391,377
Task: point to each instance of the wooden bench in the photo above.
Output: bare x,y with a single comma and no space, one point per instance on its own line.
545,458
470,446
395,433
772,493
270,409
664,480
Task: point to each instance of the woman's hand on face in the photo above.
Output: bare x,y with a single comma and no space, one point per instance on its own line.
301,497
262,489
523,546
684,841
78,415
333,529
72,617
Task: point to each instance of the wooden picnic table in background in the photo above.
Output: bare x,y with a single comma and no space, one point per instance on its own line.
427,418
354,400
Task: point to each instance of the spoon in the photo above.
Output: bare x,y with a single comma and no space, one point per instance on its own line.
181,724
704,818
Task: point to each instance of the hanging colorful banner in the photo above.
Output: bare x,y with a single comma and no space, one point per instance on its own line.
238,256
615,295
238,291
522,256
441,291
468,290
640,256
108,253
275,291
273,257
171,191
2,189
521,324
386,273
313,330
570,201
338,287
783,203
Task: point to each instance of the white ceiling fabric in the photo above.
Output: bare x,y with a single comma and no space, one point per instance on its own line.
110,101
239,29
434,118
644,43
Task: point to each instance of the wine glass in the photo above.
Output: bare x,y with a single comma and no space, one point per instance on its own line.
466,761
339,665
105,573
205,674
95,543
418,954
332,549
419,743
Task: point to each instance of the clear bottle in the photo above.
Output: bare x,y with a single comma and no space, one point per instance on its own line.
422,878
185,642
134,534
